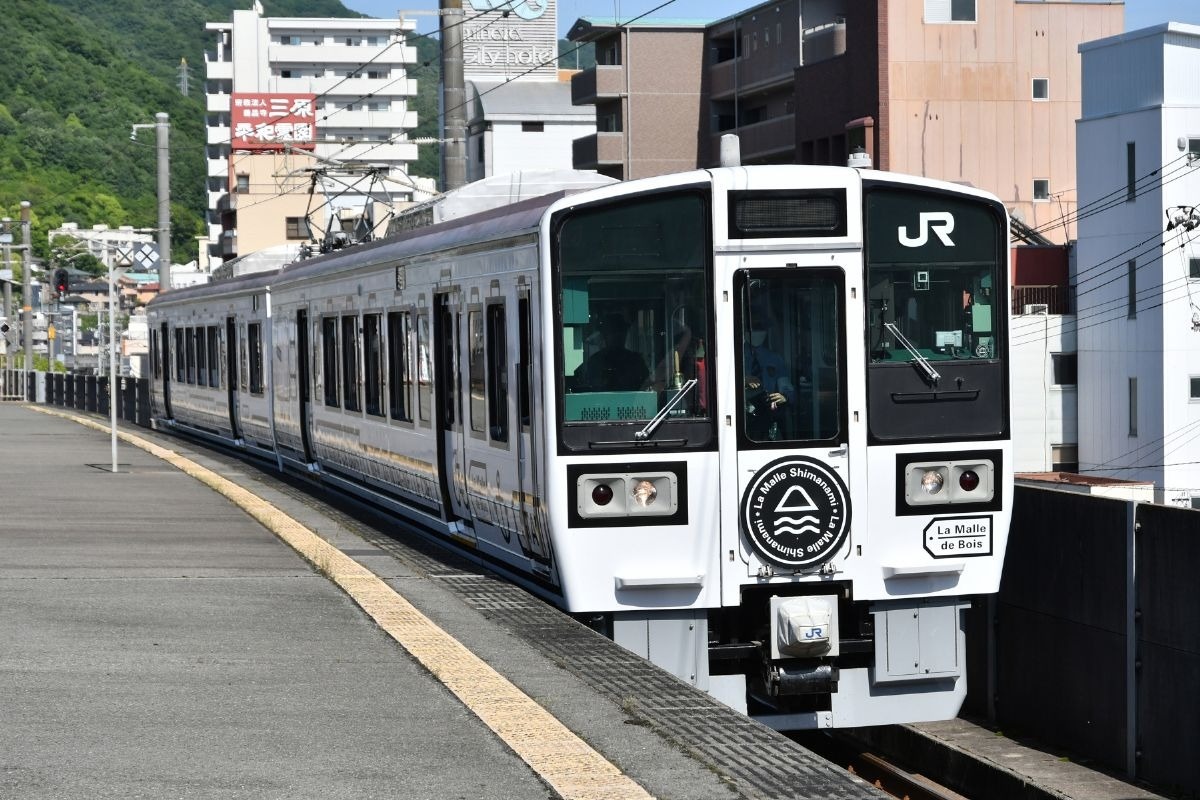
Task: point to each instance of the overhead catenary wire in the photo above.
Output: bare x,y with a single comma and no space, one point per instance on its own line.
538,65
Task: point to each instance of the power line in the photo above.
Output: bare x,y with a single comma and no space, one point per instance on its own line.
539,65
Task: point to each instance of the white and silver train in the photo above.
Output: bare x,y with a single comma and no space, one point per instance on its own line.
751,422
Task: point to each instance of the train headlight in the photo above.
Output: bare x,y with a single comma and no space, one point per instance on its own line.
644,493
602,494
932,481
626,494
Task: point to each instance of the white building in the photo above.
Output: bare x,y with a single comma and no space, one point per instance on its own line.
1138,284
358,71
1044,368
519,110
523,125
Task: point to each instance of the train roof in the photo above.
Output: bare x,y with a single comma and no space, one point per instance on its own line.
498,223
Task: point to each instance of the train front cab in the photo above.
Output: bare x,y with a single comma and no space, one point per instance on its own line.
771,536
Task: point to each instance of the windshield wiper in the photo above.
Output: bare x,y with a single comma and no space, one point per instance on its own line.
923,363
651,426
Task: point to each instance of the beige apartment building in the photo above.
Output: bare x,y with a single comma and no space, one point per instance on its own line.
985,93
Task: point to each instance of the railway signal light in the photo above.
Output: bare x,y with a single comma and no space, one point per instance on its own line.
61,282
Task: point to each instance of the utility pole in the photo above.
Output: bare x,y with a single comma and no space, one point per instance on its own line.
162,132
162,129
27,289
454,126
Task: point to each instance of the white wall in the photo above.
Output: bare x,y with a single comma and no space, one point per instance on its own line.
1044,413
508,149
1141,87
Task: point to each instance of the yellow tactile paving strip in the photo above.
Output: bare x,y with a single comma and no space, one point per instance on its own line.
563,760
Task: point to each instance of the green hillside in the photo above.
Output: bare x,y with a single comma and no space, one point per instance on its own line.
75,75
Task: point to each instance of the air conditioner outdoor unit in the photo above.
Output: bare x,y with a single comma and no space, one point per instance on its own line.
1037,308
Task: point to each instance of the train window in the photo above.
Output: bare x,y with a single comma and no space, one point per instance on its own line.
399,379
476,356
214,358
350,376
936,286
191,355
155,359
245,364
254,345
790,328
329,361
373,363
180,368
424,368
497,357
525,324
201,357
632,290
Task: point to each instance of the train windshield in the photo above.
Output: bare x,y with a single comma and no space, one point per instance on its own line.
789,329
937,287
632,298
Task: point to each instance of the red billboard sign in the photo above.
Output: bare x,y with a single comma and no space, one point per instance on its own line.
273,121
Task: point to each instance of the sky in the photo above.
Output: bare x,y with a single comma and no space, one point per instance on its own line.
1138,13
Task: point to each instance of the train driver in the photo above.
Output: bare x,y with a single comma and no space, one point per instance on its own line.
614,367
769,387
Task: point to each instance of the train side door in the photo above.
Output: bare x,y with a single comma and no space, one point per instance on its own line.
448,399
789,335
305,381
534,538
166,365
231,374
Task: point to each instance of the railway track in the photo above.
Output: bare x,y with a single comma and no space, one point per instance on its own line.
882,772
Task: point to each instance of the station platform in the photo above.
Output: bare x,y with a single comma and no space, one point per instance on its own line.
197,627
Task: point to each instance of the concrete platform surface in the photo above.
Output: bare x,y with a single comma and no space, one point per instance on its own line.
160,643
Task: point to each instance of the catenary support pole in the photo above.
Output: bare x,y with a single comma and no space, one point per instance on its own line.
162,130
454,110
27,296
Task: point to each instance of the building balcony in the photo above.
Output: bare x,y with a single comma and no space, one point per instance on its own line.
601,82
824,42
599,149
369,152
739,76
215,70
381,88
218,168
340,54
760,140
219,134
1043,300
217,103
392,120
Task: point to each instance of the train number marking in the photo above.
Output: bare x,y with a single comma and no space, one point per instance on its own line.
959,537
940,222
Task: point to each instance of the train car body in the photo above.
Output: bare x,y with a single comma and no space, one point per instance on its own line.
753,423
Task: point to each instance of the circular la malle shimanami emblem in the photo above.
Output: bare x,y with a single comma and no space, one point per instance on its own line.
796,512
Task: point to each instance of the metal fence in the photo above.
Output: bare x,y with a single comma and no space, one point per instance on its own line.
81,392
1095,647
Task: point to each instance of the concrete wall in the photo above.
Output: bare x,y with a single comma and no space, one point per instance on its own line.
1066,636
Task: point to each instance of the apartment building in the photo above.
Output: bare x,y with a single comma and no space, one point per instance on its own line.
1138,275
285,92
984,93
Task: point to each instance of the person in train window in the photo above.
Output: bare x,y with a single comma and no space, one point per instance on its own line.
614,367
769,387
